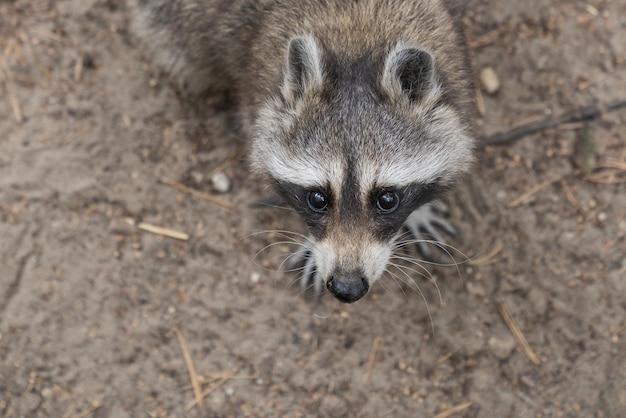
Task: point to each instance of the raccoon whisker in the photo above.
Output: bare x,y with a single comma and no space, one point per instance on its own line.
429,262
428,276
273,244
444,247
425,273
312,284
287,258
413,285
307,277
280,232
396,280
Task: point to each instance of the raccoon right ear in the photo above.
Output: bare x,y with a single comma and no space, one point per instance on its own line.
303,68
409,71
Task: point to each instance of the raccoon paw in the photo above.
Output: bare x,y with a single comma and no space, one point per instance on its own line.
309,279
425,224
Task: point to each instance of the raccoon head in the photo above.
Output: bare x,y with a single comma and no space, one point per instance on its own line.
355,145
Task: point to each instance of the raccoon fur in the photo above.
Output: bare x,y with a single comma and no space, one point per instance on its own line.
356,111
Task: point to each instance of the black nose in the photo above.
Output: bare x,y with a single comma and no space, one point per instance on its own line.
348,288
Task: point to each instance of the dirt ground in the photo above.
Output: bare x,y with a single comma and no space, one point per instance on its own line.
93,309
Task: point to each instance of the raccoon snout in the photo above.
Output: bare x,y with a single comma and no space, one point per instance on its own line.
348,288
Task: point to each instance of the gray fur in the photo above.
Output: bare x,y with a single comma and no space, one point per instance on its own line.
349,96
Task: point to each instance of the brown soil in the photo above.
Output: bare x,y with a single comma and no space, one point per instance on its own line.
90,304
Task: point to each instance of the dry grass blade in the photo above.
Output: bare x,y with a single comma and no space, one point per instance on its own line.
517,333
487,258
170,233
376,345
488,38
212,389
233,156
94,406
195,383
610,163
8,82
569,195
530,192
454,410
47,34
224,204
611,172
446,357
74,135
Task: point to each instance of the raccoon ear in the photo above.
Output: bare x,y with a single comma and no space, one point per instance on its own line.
303,68
409,71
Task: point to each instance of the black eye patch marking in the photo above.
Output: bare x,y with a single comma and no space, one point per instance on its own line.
390,206
311,203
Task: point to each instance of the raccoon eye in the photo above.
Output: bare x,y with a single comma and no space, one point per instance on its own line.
318,201
387,201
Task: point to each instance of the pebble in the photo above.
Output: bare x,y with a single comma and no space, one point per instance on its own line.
255,277
501,347
489,80
602,216
220,182
475,289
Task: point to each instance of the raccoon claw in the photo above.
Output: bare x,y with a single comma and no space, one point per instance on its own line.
425,224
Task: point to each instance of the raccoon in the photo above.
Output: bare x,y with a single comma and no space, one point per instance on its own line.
356,112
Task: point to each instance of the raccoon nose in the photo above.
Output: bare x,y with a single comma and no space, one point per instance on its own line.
348,288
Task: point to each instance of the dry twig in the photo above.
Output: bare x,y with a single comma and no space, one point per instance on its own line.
487,258
528,193
234,155
8,82
517,333
190,368
569,195
224,204
580,114
376,345
95,405
611,171
170,233
212,388
454,410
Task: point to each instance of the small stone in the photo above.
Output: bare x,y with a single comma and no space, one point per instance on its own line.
489,80
602,216
221,182
255,277
475,289
197,176
501,347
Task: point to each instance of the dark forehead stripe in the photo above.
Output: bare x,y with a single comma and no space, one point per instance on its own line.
350,205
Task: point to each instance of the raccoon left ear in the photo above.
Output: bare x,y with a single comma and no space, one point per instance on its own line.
303,67
409,71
